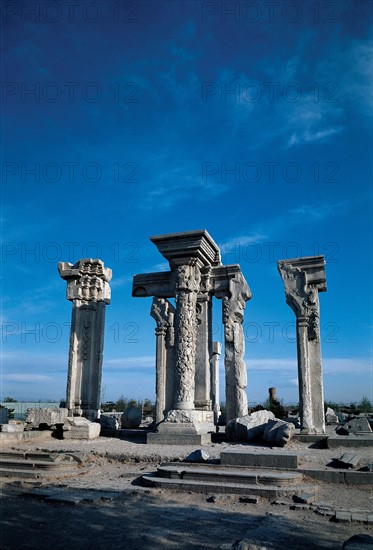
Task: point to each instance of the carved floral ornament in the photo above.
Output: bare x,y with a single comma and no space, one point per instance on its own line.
302,298
87,280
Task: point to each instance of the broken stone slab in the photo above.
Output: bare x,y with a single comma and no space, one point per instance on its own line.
278,433
294,420
248,427
249,499
367,467
108,422
80,428
357,424
13,427
331,417
358,542
198,456
49,416
131,418
348,460
304,498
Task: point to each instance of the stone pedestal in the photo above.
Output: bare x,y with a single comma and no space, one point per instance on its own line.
88,289
304,278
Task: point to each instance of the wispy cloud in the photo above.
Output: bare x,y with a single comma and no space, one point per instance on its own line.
142,362
21,377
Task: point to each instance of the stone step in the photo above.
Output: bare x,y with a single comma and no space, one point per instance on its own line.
22,464
262,459
34,465
23,474
218,474
20,455
211,487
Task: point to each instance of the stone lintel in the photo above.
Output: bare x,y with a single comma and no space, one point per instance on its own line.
162,284
181,248
313,266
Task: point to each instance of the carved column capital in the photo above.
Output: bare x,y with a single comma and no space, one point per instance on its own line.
234,301
87,280
303,280
188,277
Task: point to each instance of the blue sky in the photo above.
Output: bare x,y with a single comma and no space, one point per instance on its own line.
130,119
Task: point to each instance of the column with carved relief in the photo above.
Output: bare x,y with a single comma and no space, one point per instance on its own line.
235,369
163,313
89,291
188,280
304,278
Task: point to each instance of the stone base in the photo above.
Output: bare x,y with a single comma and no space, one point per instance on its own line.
173,438
13,427
80,428
350,441
186,422
263,459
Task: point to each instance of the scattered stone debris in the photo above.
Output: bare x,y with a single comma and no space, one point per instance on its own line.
260,425
49,417
248,427
279,502
131,418
278,432
197,456
250,499
348,460
300,507
331,417
355,425
109,422
367,467
358,542
80,428
324,509
13,426
214,498
304,498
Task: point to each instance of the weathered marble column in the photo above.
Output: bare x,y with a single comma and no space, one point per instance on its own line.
202,396
235,369
304,278
188,280
163,313
215,394
88,289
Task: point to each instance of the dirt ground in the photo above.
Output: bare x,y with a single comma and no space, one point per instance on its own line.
130,517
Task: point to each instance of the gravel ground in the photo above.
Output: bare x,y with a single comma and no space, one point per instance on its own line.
137,517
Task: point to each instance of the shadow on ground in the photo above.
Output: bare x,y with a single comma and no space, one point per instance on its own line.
150,521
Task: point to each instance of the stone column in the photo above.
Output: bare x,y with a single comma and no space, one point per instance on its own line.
215,397
163,313
304,278
272,394
187,286
88,289
202,398
235,368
